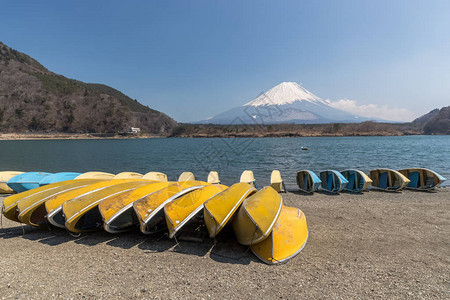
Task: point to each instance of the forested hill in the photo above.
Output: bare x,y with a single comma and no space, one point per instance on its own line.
34,99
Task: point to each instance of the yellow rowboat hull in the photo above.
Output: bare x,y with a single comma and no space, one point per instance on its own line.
4,177
186,176
213,177
287,239
150,209
10,203
248,177
118,213
95,175
181,210
157,176
53,205
257,216
82,213
276,182
388,180
128,175
220,209
32,208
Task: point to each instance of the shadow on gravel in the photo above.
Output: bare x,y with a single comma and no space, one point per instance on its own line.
12,232
301,193
56,240
94,238
126,240
227,250
193,240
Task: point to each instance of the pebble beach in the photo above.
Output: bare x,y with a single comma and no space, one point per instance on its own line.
371,245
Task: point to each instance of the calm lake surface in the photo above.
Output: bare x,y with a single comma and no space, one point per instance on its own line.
229,156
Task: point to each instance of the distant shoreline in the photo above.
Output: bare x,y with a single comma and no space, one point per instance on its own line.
88,136
70,136
269,135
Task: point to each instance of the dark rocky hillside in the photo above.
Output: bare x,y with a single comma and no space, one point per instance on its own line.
439,123
420,121
33,99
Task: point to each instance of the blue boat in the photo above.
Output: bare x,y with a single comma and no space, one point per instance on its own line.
308,181
422,179
358,181
26,181
57,177
332,181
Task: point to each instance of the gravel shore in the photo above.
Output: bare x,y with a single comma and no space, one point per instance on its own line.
377,245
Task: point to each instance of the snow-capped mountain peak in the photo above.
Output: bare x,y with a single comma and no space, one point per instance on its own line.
285,93
287,102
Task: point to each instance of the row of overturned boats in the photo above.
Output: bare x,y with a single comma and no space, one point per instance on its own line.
117,203
356,181
85,202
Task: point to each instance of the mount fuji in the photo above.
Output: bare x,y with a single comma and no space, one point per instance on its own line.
287,102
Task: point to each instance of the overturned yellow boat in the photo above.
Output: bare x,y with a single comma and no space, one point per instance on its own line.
219,209
248,177
150,209
287,239
10,203
180,211
95,175
276,182
156,176
213,177
53,205
82,213
186,176
118,213
4,177
257,216
32,208
128,175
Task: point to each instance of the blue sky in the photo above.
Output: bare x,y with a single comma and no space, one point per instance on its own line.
195,59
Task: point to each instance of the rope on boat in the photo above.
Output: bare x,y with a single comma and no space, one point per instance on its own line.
178,244
1,221
73,234
49,227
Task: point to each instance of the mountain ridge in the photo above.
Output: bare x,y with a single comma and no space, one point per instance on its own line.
438,123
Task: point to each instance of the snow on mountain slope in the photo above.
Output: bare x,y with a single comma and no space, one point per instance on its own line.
285,93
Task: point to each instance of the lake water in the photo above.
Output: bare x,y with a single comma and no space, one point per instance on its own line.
229,156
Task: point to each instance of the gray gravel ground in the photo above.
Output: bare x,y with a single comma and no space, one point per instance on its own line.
377,245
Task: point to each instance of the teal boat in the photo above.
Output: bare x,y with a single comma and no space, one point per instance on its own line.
308,181
332,181
57,177
26,181
358,181
422,179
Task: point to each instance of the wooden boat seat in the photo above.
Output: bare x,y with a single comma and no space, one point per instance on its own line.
397,184
330,182
351,181
305,183
414,177
361,182
429,182
383,180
